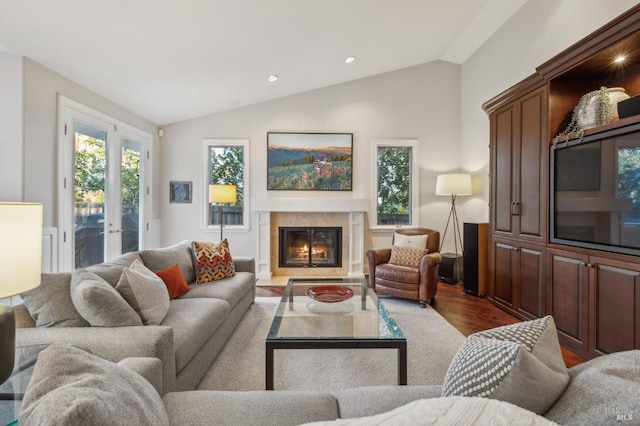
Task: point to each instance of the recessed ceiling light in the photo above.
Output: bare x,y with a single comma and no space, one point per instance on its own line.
272,78
349,59
619,59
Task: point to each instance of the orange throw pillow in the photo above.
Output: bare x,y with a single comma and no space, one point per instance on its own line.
174,280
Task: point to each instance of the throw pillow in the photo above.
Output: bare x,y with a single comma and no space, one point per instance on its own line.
161,258
70,386
175,282
406,256
145,292
415,241
213,261
519,363
50,304
99,303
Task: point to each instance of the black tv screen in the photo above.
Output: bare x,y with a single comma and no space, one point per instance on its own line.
595,193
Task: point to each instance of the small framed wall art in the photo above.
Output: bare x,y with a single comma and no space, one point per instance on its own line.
180,191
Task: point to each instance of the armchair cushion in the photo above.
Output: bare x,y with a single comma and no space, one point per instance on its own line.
407,256
415,241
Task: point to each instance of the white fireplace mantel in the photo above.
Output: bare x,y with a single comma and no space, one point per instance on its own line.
312,205
354,207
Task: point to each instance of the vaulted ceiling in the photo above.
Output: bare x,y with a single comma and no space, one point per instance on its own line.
172,60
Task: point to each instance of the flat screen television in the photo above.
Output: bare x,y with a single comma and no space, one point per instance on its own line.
595,191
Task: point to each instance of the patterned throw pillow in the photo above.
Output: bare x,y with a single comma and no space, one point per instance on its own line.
406,256
213,261
519,363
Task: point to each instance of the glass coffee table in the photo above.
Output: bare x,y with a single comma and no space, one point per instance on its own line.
333,314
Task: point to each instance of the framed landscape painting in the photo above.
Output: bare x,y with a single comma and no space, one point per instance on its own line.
309,161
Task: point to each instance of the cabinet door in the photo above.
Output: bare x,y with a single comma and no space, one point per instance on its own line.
568,296
530,285
616,320
532,167
504,274
503,155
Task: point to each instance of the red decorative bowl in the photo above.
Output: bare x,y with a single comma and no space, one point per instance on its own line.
330,293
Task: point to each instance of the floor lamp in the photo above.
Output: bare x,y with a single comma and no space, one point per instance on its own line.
453,185
20,267
220,194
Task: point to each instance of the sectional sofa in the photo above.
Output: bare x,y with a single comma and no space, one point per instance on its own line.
192,333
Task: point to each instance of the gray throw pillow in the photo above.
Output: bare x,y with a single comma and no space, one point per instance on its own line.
145,292
50,304
72,387
519,363
162,258
99,303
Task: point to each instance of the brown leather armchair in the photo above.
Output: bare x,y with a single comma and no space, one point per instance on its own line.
408,282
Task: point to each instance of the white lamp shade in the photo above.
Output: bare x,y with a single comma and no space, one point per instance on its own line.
222,194
20,247
453,184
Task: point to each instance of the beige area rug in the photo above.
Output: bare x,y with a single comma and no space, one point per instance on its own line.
431,344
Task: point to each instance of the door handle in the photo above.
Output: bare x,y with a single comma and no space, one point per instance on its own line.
115,231
515,208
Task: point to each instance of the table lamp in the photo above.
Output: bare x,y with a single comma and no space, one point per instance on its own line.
453,185
20,266
222,194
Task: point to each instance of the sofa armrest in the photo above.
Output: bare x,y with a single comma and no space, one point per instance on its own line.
245,264
149,368
112,343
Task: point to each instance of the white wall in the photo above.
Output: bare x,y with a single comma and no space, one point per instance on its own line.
537,32
11,146
41,86
419,102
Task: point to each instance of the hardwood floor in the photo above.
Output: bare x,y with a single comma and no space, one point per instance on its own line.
465,312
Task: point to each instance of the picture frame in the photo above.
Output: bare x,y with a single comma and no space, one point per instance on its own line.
180,191
309,161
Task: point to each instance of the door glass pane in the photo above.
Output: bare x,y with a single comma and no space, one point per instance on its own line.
130,201
394,185
89,193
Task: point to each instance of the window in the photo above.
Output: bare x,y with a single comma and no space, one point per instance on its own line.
395,183
226,165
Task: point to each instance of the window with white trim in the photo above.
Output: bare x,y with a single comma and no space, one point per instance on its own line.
226,164
395,183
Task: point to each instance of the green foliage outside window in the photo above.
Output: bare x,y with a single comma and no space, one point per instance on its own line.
394,185
226,167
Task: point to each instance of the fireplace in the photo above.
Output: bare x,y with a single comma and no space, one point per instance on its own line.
304,247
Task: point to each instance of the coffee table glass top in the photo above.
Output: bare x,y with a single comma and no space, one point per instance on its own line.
361,316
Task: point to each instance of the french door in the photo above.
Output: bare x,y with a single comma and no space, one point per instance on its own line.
103,193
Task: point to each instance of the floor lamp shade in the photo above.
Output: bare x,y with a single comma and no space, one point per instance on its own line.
220,194
453,184
20,267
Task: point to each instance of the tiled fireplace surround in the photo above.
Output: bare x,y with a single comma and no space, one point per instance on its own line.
347,213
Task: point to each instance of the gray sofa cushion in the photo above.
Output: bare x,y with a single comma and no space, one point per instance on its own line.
145,292
112,270
72,387
230,289
370,400
162,258
249,408
99,303
50,304
604,390
193,322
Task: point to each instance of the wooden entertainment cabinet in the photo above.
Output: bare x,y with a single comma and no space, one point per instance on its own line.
593,295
